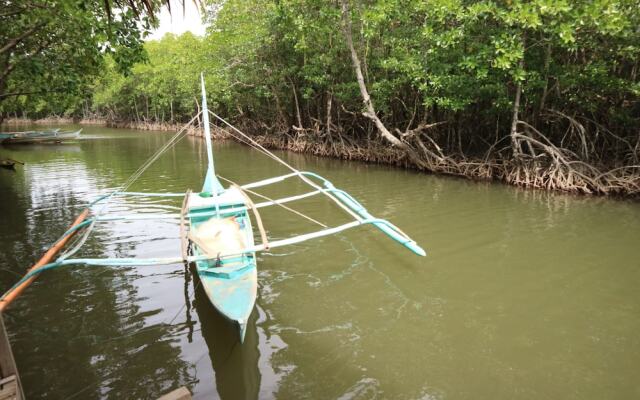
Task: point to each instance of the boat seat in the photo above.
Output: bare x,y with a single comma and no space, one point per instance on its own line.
229,271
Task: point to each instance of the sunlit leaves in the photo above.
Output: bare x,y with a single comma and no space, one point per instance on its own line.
62,56
445,59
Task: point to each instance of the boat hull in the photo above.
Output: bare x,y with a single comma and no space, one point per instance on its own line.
231,283
6,164
42,137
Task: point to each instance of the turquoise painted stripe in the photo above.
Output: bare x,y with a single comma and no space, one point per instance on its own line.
229,274
144,194
386,227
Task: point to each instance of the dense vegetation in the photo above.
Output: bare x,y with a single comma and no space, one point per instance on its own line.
542,93
52,50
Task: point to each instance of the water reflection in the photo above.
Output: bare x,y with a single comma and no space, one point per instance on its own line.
235,365
523,294
80,332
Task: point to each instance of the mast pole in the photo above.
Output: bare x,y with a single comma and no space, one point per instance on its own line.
211,175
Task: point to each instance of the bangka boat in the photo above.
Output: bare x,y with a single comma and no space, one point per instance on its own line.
216,228
53,136
7,164
6,135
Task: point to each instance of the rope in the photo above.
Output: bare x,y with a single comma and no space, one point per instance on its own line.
259,147
30,274
275,202
174,139
157,154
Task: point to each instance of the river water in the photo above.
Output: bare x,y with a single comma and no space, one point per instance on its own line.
523,294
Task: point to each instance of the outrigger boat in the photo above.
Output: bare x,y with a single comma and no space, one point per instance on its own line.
10,164
52,136
216,229
7,164
5,135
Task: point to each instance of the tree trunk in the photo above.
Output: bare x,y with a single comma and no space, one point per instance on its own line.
366,99
515,147
198,114
282,119
545,89
295,99
135,105
329,101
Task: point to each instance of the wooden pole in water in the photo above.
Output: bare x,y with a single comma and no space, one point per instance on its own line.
45,259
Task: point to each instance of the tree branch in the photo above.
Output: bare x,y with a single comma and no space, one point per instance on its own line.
3,95
366,99
14,42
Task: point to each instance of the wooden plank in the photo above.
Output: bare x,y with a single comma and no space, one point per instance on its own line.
6,380
178,394
10,381
9,391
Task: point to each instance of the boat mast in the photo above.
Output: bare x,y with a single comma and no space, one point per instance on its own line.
211,174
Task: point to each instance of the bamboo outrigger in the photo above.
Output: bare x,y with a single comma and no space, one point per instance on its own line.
217,228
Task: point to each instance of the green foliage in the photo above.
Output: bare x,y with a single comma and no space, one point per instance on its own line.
51,50
167,81
282,63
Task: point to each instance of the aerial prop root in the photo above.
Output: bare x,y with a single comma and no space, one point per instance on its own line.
544,165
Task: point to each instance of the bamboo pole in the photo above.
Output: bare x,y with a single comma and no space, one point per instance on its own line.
45,259
184,242
249,203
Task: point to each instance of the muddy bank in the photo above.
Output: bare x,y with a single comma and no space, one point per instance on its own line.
555,169
150,126
556,172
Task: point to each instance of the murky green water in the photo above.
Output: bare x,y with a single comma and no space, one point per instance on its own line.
524,295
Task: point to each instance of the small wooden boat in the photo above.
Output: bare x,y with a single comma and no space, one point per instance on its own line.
9,136
52,136
9,163
220,225
6,135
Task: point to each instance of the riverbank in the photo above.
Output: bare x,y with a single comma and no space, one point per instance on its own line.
137,125
554,169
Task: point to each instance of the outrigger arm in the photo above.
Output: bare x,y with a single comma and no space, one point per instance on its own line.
364,217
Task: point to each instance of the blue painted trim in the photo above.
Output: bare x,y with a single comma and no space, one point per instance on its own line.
74,228
385,226
228,274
